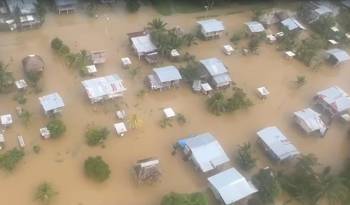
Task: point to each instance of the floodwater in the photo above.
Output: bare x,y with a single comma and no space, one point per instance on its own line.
60,162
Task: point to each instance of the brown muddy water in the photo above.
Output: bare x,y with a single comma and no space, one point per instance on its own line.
60,162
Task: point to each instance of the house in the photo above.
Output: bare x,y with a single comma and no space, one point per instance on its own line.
164,77
211,28
143,46
337,56
52,103
215,72
24,13
147,170
346,3
104,88
230,186
310,121
205,151
312,11
277,145
291,24
333,100
66,6
255,27
97,57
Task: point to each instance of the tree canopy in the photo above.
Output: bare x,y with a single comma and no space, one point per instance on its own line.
6,79
268,185
96,169
185,199
56,127
96,136
45,193
10,159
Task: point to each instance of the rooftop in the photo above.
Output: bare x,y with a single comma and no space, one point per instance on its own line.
292,24
255,27
51,102
143,44
26,7
167,73
340,55
214,66
211,25
310,120
336,98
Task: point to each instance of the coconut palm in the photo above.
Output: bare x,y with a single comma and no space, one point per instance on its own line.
45,193
245,159
217,103
156,24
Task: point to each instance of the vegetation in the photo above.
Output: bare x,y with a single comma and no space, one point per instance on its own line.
132,5
96,169
268,185
237,36
165,122
239,100
7,80
288,42
56,127
45,193
253,44
25,116
181,119
91,8
308,50
20,98
184,199
36,149
10,159
245,159
323,27
96,136
191,71
343,20
217,103
300,81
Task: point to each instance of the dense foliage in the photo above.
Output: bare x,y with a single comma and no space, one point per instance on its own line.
191,71
97,169
132,5
309,49
245,159
96,136
56,128
10,159
6,79
268,185
45,193
184,199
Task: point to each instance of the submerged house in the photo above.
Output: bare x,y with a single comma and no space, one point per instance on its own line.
143,46
276,144
291,24
310,121
66,6
215,72
52,103
204,151
337,56
104,88
255,27
147,170
164,77
312,11
333,100
211,28
33,64
230,187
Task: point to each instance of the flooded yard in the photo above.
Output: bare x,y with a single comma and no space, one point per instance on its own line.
60,161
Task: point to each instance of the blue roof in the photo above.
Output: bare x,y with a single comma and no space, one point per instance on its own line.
51,102
255,27
339,54
167,73
214,66
292,24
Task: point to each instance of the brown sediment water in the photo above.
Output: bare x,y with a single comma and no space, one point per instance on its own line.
60,162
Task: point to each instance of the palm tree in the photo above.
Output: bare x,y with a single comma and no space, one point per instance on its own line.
217,103
245,159
157,24
45,193
190,39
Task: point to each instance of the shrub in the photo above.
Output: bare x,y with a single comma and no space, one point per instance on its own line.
25,116
300,81
181,119
96,169
10,159
64,50
309,49
239,100
185,199
56,44
45,193
217,103
36,149
191,72
267,184
132,5
56,128
96,136
20,98
7,80
245,158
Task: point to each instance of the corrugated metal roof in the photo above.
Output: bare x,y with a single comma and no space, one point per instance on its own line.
336,98
214,66
26,7
340,55
277,143
211,25
231,186
167,73
206,151
310,120
292,24
255,27
321,10
143,44
346,3
51,102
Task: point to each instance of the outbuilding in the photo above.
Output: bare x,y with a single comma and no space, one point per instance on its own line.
142,45
66,6
52,103
255,27
291,24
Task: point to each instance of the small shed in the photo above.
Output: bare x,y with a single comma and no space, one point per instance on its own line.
120,128
211,28
337,56
215,72
228,49
21,141
276,144
104,88
164,77
205,151
45,133
255,27
6,120
126,62
230,186
292,24
310,121
66,6
147,170
33,64
334,100
21,84
97,57
169,112
52,103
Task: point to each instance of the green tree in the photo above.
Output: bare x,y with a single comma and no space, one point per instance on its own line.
185,199
45,193
157,24
239,100
245,159
300,81
217,103
11,158
56,44
132,5
191,71
268,185
253,44
25,117
96,169
323,26
6,79
96,136
56,127
309,48
189,39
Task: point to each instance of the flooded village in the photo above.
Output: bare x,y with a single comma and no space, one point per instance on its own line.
175,120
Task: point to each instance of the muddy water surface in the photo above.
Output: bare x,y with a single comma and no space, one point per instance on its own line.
60,162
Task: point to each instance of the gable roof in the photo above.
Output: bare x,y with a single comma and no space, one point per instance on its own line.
336,98
310,121
206,151
51,102
231,186
167,73
255,27
339,54
277,143
292,24
214,66
211,25
143,44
